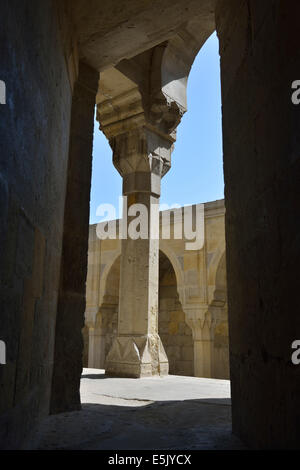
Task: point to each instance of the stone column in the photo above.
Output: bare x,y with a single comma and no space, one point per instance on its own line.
142,157
96,348
139,117
202,326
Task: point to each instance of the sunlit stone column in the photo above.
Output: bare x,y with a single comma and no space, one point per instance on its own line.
139,105
202,326
141,156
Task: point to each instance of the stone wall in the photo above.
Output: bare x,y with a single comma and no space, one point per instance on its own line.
192,297
110,305
71,299
259,61
34,135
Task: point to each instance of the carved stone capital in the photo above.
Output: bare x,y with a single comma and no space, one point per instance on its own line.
141,150
201,322
138,110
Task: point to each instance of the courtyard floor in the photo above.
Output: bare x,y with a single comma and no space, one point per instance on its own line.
170,412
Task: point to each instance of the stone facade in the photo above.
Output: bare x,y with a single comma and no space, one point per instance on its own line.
192,314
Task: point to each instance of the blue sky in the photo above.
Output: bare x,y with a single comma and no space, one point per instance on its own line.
196,174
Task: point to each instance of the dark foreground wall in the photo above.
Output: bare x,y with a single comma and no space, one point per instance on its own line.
71,300
260,58
34,140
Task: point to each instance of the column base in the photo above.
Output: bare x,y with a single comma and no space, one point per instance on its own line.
137,356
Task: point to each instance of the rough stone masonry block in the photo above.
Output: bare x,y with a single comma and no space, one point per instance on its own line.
261,166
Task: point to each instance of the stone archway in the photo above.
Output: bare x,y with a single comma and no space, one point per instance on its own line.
173,330
175,334
105,328
108,312
219,312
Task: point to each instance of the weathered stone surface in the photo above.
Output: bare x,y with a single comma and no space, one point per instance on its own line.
34,135
140,124
259,61
175,307
109,32
71,299
137,356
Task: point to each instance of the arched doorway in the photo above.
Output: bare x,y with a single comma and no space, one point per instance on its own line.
220,312
107,317
174,332
109,308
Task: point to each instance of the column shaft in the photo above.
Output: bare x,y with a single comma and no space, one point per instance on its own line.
137,351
